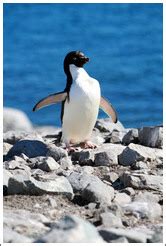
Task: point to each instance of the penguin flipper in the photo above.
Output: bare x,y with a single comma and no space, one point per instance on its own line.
51,99
108,109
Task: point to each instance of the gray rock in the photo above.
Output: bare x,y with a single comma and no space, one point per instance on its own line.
97,191
84,157
56,152
80,180
116,136
6,148
142,181
72,229
122,198
120,240
143,210
12,137
157,236
6,176
151,136
14,119
24,222
111,177
108,154
132,235
66,163
130,137
46,164
139,165
46,131
129,191
58,186
17,182
108,219
135,152
11,236
106,125
87,169
52,202
31,148
22,183
147,196
11,165
103,159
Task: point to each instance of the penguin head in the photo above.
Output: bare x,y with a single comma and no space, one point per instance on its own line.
75,57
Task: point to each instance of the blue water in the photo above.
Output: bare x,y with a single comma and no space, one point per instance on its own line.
123,41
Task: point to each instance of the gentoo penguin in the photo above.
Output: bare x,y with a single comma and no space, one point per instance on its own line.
81,100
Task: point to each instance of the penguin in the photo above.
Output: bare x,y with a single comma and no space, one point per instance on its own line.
80,102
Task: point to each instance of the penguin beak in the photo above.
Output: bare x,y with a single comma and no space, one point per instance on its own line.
86,59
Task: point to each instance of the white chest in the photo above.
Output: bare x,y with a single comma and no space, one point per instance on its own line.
81,112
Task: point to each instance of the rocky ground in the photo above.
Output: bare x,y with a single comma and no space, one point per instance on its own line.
110,194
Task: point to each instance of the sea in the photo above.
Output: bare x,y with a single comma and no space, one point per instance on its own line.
124,42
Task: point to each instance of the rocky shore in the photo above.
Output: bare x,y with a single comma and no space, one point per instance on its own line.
111,194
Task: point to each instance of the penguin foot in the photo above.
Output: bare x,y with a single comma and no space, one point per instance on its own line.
88,145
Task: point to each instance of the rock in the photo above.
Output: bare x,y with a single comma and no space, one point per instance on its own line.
47,131
108,219
133,236
66,163
6,176
87,169
147,196
120,240
14,119
17,182
11,236
143,210
98,192
106,125
129,191
135,152
25,223
21,183
116,136
111,177
80,180
139,165
157,236
103,159
151,136
108,154
142,181
11,165
52,202
31,148
72,229
46,164
130,137
122,198
56,152
6,148
12,137
84,157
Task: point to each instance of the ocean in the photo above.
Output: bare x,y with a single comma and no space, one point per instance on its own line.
123,42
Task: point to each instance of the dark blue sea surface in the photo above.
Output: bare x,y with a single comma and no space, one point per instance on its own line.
123,41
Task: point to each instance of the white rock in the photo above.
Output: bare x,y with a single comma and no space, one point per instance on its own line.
14,119
150,210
